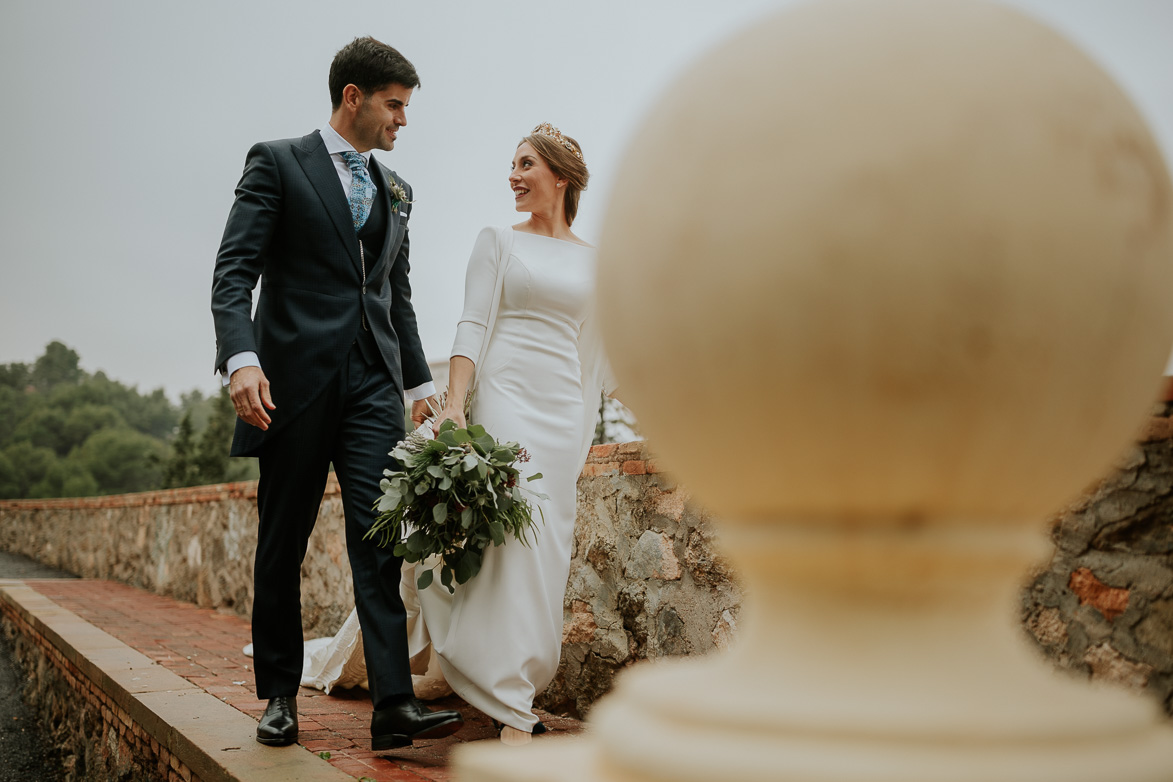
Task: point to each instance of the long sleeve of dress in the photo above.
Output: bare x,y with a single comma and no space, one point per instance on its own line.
480,288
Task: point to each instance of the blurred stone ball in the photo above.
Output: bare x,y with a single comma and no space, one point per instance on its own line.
889,261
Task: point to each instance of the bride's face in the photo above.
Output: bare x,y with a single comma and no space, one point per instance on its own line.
535,186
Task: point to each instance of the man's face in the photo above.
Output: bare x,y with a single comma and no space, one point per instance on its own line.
379,117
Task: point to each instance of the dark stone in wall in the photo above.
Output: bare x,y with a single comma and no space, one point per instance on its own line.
1103,606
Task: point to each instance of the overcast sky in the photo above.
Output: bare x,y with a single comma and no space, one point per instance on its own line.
126,125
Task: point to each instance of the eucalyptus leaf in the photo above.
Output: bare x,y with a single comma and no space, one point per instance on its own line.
497,531
424,581
440,512
466,568
417,541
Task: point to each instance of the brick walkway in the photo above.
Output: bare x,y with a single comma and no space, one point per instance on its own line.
204,647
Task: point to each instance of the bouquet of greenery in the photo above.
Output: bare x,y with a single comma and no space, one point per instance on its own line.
455,495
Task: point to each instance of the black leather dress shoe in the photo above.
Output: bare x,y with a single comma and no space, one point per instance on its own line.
278,726
399,725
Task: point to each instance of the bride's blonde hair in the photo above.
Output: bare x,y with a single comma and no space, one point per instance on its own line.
564,157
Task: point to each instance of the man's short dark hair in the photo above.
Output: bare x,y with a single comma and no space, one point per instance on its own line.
371,66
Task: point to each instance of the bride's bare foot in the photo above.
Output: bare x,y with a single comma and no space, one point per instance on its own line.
514,737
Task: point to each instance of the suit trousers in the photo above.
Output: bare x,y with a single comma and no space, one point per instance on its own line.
353,423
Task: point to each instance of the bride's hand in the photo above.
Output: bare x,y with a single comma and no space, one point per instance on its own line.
449,414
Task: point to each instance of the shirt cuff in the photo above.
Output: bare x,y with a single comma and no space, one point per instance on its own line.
246,359
420,392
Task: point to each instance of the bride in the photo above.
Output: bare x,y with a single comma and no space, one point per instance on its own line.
526,345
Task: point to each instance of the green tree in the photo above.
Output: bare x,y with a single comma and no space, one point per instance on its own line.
43,426
216,440
9,479
96,391
181,469
65,432
29,464
201,408
152,414
123,460
87,418
14,406
66,478
16,376
58,365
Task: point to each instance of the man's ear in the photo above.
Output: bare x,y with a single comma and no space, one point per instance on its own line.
351,96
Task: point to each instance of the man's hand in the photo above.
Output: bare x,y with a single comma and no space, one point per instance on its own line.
421,409
249,389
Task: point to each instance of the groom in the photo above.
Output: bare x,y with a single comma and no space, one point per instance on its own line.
319,376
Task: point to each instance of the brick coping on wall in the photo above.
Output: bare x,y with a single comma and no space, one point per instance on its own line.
610,459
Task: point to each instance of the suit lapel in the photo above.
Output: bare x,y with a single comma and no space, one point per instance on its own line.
383,183
319,169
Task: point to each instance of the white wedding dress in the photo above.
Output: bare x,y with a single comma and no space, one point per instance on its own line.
497,640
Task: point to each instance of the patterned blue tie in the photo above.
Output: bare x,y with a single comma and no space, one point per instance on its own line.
362,189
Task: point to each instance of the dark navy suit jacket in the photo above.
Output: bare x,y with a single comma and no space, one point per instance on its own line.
291,227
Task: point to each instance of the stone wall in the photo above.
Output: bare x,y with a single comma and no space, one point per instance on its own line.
1103,606
91,735
644,579
193,544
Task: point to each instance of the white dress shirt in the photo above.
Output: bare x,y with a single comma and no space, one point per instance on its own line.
335,145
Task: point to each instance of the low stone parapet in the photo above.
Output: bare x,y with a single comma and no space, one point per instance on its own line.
645,581
195,544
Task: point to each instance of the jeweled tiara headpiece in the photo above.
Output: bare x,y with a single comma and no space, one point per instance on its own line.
546,129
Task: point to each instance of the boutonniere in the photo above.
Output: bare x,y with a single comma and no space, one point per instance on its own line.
398,195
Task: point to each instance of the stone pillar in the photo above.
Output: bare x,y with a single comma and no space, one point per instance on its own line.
918,239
